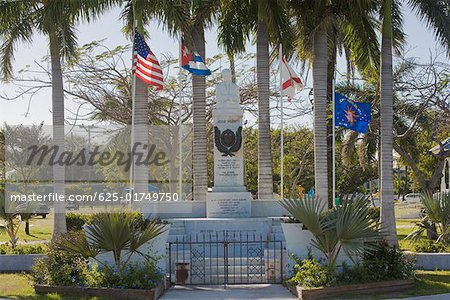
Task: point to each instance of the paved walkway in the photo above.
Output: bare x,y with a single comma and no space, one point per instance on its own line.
232,292
252,291
432,297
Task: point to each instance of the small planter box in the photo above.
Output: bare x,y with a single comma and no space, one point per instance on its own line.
108,293
366,288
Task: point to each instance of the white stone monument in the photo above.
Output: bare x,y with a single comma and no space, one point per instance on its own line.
229,197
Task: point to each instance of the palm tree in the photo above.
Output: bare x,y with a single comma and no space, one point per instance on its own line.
202,15
269,20
19,20
436,14
317,24
189,17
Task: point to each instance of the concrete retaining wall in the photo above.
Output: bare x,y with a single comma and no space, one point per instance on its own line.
17,262
431,261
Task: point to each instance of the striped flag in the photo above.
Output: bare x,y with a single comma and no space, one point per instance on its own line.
193,62
292,83
145,64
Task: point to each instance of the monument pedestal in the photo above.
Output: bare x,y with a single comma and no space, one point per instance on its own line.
228,205
229,197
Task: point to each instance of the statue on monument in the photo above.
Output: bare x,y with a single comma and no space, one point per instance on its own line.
227,92
228,100
229,197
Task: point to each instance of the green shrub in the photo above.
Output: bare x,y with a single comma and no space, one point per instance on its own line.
429,246
65,268
144,275
384,263
309,273
24,249
76,222
60,267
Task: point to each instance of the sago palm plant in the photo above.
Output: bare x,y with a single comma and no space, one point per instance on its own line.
119,233
347,227
437,211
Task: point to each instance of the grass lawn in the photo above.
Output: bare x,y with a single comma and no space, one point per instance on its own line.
406,225
40,229
403,232
18,286
428,283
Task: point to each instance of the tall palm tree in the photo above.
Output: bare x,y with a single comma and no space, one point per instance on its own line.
190,17
269,20
387,214
436,14
317,23
202,14
19,20
137,14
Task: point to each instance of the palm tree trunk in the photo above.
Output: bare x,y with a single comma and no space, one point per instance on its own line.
27,226
331,65
59,221
265,180
320,60
199,116
141,126
387,213
232,68
141,135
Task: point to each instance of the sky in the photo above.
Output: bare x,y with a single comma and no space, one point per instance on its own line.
420,41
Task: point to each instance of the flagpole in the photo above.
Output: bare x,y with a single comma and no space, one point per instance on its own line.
133,109
180,122
281,126
333,97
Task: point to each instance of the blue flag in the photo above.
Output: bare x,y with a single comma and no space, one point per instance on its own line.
352,115
311,192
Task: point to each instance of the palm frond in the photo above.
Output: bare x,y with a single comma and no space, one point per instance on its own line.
20,29
308,212
436,15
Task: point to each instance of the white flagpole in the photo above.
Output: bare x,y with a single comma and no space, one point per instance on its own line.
333,97
180,123
133,109
281,126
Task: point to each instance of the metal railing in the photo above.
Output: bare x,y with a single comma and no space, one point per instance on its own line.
225,258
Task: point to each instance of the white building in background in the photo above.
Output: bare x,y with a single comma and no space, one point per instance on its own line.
445,179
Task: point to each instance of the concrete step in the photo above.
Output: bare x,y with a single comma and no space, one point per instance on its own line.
231,279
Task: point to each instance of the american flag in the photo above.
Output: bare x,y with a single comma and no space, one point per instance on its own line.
145,64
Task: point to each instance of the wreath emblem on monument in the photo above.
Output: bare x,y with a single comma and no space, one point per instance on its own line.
228,142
